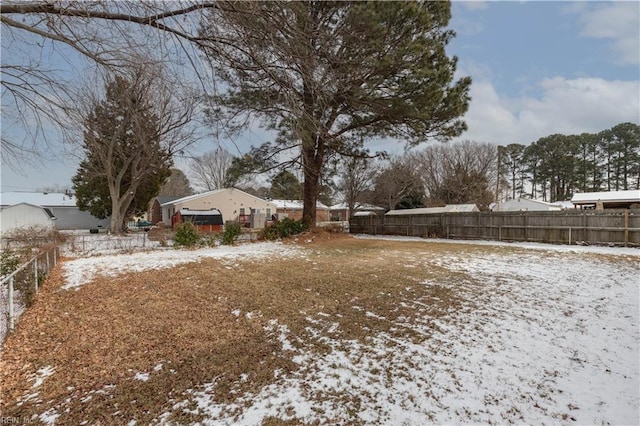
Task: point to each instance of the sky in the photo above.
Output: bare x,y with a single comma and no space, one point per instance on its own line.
538,68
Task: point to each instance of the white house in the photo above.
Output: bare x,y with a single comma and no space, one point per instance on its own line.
25,215
606,200
63,206
234,204
526,204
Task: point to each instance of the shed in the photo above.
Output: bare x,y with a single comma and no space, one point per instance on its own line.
609,200
204,220
25,215
526,204
63,206
341,211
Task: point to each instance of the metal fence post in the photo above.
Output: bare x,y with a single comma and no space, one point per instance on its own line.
12,320
35,272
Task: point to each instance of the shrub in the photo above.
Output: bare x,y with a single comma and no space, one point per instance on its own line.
186,235
9,261
232,231
283,229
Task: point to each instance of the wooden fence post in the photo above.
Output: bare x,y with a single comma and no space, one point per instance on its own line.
626,227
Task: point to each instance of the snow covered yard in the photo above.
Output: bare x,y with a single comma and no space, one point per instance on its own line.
341,330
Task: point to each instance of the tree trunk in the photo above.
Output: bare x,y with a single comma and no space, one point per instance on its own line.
312,164
116,219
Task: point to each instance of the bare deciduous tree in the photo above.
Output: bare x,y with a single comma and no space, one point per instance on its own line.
398,186
458,166
211,170
48,45
355,179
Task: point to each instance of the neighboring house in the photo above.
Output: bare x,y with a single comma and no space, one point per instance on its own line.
204,220
449,208
155,211
526,204
63,207
234,204
606,200
293,210
341,211
24,215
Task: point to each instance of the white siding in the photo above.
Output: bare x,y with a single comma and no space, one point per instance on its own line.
23,216
229,201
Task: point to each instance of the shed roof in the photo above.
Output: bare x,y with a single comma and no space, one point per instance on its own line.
449,208
521,204
630,196
189,212
44,199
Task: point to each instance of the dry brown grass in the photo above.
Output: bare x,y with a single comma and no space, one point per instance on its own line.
99,337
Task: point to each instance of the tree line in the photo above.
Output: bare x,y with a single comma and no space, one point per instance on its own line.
555,167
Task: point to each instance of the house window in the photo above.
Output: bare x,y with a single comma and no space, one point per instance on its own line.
268,214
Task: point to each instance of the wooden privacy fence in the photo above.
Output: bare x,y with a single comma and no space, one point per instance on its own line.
18,288
613,227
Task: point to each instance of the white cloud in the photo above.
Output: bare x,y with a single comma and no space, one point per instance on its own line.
618,22
567,106
473,4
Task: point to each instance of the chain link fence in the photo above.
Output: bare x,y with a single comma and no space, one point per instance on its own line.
19,285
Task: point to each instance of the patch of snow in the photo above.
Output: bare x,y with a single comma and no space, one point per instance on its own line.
81,271
630,251
49,417
41,375
143,377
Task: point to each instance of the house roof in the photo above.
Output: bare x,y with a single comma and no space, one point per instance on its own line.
208,194
630,196
449,208
165,199
44,199
296,204
192,197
